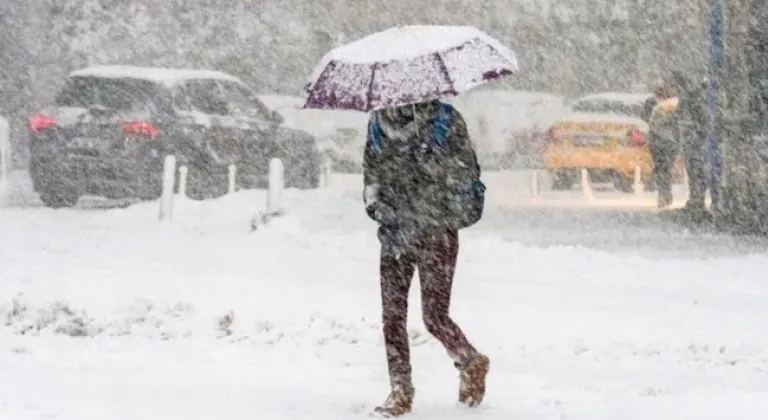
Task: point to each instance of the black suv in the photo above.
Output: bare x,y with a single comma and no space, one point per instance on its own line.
111,127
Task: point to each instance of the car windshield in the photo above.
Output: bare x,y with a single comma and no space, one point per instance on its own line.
112,93
609,107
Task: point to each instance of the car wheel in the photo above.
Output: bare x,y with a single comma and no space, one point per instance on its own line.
307,177
302,170
53,191
564,180
623,183
206,182
58,196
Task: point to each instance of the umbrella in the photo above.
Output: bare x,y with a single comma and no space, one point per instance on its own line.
406,65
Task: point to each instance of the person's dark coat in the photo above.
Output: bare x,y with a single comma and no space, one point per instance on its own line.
648,106
691,114
412,180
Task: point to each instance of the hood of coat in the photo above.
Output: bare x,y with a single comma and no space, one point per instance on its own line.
403,123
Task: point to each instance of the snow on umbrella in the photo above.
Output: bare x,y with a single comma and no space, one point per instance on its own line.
406,65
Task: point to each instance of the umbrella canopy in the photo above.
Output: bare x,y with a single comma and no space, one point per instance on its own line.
406,65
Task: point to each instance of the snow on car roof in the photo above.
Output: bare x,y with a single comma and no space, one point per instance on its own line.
275,102
165,76
629,98
314,121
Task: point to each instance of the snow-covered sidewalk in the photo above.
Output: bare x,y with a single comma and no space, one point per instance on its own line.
111,314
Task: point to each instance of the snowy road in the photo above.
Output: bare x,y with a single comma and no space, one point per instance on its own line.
586,315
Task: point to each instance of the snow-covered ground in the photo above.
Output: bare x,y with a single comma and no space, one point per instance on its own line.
590,314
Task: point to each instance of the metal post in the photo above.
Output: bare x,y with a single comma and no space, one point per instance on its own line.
231,178
5,158
740,162
276,185
586,187
183,171
169,179
637,183
535,183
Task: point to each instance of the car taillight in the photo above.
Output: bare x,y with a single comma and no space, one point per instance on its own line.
40,123
553,134
637,138
140,129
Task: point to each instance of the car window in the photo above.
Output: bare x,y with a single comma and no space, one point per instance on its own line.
243,101
112,93
609,107
201,95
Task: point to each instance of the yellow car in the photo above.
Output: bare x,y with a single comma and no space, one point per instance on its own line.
604,133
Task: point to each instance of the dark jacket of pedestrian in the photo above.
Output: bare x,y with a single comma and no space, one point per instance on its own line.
420,173
691,117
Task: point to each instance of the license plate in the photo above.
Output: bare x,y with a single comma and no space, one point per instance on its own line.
590,141
84,143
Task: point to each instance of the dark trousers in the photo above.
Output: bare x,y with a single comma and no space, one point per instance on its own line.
664,153
435,257
696,167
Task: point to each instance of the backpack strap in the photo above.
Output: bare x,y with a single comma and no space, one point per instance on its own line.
441,125
439,132
375,135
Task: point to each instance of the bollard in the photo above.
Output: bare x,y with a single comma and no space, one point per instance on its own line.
274,195
637,184
276,185
586,187
231,178
183,181
326,168
5,154
535,183
166,199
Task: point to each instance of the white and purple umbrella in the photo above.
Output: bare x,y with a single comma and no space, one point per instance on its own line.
406,65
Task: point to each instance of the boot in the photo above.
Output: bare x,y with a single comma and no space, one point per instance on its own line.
399,402
472,380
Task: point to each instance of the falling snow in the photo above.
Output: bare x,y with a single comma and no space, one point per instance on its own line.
187,191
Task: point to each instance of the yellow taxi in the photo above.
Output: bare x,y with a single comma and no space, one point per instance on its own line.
605,133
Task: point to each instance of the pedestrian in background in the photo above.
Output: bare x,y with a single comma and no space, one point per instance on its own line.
664,142
658,91
692,120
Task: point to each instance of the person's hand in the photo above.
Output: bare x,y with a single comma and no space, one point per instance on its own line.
396,240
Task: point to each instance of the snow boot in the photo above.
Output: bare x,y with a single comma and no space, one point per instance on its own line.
472,375
399,402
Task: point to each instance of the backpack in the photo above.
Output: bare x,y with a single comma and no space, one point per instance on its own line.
664,122
465,206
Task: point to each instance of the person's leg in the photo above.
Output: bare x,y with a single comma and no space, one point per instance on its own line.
437,263
396,274
715,177
697,177
657,157
665,161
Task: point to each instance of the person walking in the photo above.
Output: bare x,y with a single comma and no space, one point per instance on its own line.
658,91
422,185
663,136
692,119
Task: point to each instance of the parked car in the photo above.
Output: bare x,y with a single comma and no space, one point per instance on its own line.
110,127
504,124
340,134
606,134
